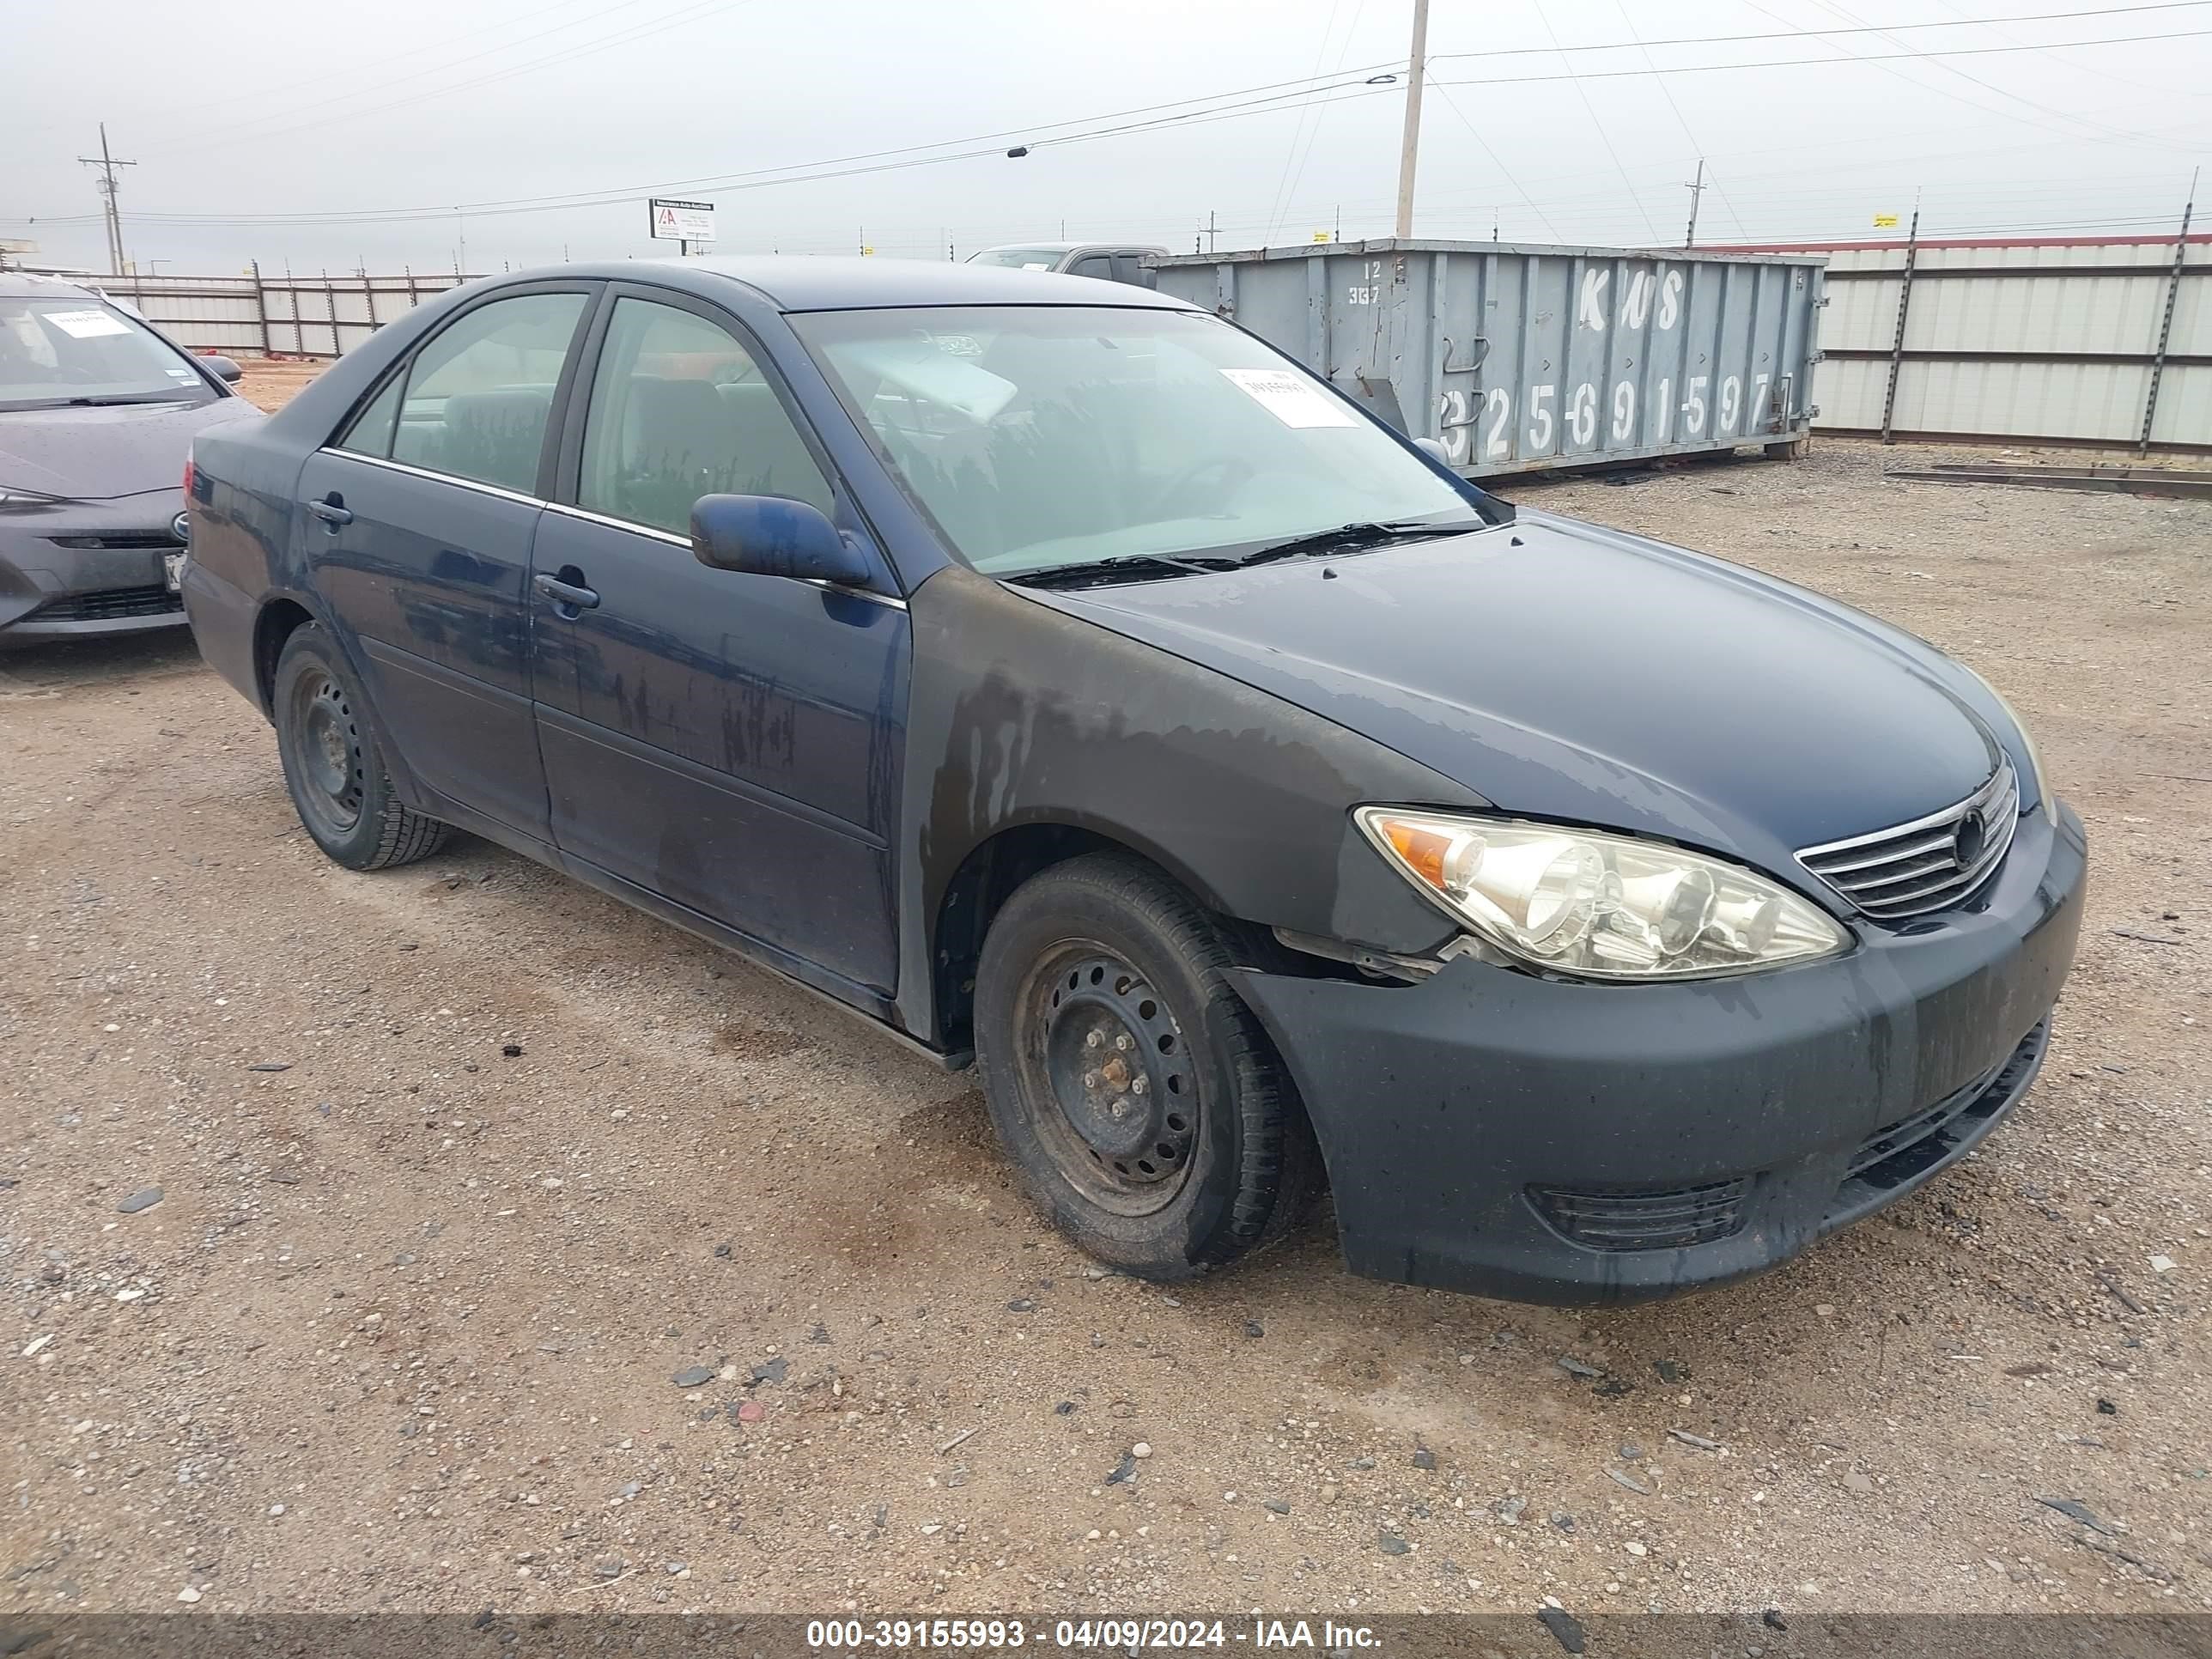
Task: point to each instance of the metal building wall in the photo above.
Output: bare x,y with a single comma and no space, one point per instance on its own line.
1521,358
2048,342
262,315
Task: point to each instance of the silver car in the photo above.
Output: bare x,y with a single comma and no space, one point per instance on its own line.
97,416
1110,262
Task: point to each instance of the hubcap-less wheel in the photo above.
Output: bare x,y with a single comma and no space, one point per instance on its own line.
1100,1044
326,746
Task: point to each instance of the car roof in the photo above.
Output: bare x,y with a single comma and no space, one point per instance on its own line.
821,283
1066,248
28,285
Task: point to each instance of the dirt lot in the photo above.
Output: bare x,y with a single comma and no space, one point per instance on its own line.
461,1165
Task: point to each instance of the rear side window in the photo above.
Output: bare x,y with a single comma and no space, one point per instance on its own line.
476,399
680,409
1130,268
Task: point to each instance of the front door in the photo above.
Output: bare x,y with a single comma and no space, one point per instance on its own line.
729,743
417,523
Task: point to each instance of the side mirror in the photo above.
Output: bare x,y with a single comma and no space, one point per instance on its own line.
770,536
1434,449
224,369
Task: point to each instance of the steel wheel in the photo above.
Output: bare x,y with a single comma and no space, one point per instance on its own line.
325,745
1099,1043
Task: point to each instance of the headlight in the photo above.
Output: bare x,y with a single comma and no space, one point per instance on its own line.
2046,799
1595,906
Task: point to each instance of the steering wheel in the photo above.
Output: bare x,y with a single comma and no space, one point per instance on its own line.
1230,471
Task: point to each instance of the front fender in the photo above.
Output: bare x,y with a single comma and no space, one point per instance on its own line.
1023,714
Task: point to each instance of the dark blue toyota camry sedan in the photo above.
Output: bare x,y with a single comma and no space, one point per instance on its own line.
1062,679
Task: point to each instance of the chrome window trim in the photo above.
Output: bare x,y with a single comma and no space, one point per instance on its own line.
586,516
482,489
636,529
684,542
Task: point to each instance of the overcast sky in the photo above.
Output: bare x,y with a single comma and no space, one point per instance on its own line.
270,130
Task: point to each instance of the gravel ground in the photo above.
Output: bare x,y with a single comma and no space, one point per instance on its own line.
462,1178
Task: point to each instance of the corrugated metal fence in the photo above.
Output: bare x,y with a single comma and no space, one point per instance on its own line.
265,315
2092,341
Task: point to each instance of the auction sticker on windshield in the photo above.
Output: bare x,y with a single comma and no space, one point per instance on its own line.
1287,397
86,324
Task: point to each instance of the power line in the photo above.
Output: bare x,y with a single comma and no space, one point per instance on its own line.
1495,161
444,42
2106,74
1833,62
1974,80
692,12
1291,157
1794,32
1597,125
1266,99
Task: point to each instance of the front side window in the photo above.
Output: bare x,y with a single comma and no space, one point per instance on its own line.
1041,436
680,409
478,396
1099,265
65,349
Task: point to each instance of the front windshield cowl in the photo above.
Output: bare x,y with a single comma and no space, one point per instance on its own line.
1096,438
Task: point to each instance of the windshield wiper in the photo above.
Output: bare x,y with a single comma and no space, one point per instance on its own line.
1350,537
24,404
1057,575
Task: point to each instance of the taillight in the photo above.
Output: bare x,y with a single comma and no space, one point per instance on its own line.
188,475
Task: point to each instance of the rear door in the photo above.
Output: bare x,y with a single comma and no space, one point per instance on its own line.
729,743
416,520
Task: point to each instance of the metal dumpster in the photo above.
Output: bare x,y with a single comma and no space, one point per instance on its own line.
1518,359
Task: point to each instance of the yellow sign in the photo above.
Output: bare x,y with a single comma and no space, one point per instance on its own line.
1884,222
869,252
1323,236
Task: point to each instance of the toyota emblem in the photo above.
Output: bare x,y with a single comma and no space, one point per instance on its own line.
181,527
1973,834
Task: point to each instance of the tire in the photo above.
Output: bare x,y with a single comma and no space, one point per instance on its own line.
1209,1156
334,762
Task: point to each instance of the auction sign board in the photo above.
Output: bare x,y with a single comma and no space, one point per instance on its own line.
681,221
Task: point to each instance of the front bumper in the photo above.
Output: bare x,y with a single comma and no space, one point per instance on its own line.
1492,1132
83,568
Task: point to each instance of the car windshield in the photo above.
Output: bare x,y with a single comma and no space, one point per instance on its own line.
65,348
1045,436
1021,258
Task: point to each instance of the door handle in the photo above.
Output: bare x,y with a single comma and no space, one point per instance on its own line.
565,593
332,511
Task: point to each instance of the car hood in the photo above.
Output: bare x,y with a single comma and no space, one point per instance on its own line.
96,455
1568,672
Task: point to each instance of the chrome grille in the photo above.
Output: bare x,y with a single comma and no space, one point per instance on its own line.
1930,863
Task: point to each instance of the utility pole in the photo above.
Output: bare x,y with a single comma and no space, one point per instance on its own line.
1409,148
107,164
1210,228
1697,190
